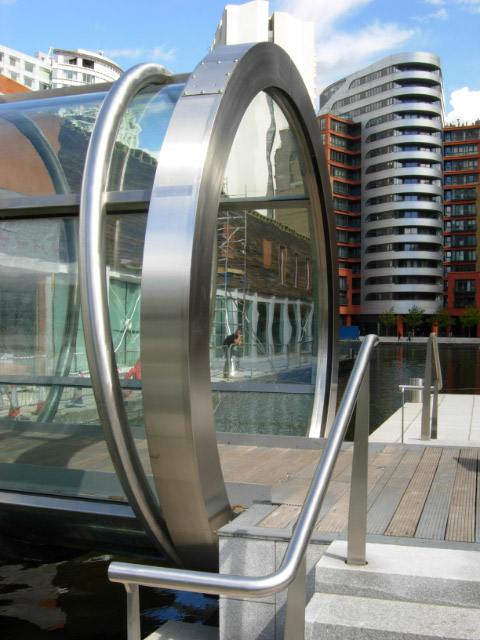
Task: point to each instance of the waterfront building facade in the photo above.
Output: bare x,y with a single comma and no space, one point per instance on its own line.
61,68
399,103
342,144
461,197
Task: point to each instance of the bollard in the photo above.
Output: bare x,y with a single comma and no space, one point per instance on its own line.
415,395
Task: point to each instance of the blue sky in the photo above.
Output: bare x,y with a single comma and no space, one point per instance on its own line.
350,34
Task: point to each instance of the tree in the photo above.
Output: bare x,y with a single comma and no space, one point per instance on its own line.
442,318
470,318
414,317
388,319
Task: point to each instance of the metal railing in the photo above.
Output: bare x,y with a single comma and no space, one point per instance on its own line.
292,572
429,410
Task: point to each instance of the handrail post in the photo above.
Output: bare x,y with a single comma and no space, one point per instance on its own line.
357,514
427,384
133,611
403,414
433,433
296,602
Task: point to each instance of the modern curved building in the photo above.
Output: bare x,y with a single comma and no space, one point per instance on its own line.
399,103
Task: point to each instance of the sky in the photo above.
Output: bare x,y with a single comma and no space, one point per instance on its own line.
350,34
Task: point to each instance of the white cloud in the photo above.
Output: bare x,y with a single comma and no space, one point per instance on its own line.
466,106
441,14
158,54
340,52
5,2
470,5
436,2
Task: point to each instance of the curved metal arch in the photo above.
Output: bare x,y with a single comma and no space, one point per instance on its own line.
177,276
94,303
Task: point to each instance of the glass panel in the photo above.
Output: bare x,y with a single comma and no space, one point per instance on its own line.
49,426
264,159
46,142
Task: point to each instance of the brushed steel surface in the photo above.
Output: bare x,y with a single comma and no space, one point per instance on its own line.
94,304
177,277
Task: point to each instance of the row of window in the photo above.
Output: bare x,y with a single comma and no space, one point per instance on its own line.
401,164
348,237
346,174
346,189
452,210
390,133
412,263
387,215
350,206
343,158
406,197
462,178
461,134
404,246
404,295
387,182
386,71
461,165
460,225
461,150
460,256
406,115
402,231
351,222
282,266
382,88
388,102
432,280
460,241
344,143
399,148
460,194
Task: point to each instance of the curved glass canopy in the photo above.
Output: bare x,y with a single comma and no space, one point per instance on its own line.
141,228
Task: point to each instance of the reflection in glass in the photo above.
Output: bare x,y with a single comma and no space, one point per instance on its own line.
42,355
264,284
46,142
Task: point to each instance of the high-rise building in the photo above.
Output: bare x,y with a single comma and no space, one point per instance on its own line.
63,68
399,103
341,140
461,210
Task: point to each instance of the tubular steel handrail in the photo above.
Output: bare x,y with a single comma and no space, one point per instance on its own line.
429,414
292,572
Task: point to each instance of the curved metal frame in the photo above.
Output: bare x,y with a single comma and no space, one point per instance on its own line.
94,303
177,275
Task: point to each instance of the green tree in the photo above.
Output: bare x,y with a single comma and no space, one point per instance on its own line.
414,317
442,318
388,319
470,318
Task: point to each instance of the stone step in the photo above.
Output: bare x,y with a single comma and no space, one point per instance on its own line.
340,617
405,573
176,630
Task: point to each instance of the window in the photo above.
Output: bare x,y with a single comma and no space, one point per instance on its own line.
70,75
28,66
88,64
14,62
267,254
14,76
295,277
308,274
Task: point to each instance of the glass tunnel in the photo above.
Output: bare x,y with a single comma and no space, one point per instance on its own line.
142,225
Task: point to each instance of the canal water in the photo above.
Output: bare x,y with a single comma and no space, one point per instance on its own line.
72,599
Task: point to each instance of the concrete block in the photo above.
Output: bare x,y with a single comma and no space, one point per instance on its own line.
248,557
245,620
338,617
417,574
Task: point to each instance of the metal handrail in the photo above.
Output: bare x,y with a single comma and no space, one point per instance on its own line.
429,420
294,560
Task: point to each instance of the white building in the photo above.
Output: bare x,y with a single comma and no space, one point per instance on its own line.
250,23
64,68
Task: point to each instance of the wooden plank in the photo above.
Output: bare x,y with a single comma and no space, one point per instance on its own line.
241,468
229,452
283,516
285,466
433,521
385,505
336,518
461,519
409,510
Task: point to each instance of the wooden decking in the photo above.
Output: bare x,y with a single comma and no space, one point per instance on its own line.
420,492
414,491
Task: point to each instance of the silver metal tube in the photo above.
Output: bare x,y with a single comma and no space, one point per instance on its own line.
94,304
204,582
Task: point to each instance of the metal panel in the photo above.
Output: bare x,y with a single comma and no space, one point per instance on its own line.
177,276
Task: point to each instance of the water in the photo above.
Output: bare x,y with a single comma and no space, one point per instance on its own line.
394,364
73,599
